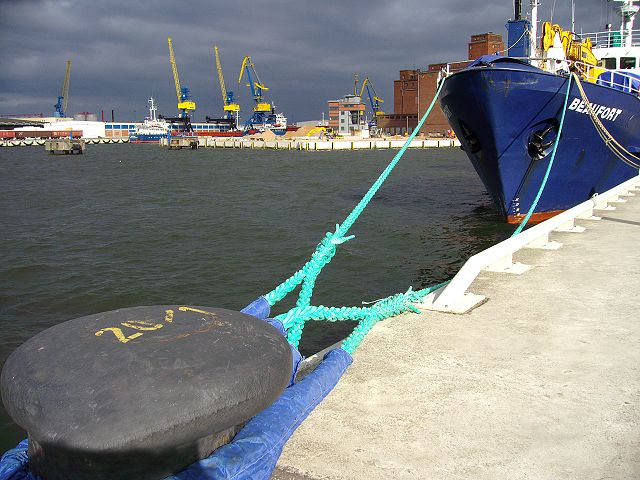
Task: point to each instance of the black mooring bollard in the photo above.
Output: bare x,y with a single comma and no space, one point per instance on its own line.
141,392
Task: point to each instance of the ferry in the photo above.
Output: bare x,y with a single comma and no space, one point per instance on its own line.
506,111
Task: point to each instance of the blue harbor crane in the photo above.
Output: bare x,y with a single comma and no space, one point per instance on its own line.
374,100
261,109
63,98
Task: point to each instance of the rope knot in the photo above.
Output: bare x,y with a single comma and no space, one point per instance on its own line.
337,238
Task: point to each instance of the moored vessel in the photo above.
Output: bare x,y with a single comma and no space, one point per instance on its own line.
152,129
507,112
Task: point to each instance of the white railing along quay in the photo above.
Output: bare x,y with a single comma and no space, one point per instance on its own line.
454,298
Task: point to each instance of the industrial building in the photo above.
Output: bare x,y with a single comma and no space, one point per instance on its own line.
347,116
414,91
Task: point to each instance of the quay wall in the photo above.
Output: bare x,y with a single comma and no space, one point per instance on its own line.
314,144
41,141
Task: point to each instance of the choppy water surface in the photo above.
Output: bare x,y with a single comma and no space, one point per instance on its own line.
126,225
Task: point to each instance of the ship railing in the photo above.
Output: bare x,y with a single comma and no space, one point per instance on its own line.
454,298
617,79
611,38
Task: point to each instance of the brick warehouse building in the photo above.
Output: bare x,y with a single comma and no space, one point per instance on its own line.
414,91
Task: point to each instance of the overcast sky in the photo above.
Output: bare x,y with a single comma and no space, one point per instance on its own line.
305,51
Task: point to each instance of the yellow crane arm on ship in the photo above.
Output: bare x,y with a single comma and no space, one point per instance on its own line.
574,50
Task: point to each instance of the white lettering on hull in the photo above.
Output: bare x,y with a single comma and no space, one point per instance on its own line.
605,113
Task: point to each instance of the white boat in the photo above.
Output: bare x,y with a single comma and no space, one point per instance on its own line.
152,129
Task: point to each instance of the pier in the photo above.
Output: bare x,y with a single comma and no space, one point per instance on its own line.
177,143
540,379
65,146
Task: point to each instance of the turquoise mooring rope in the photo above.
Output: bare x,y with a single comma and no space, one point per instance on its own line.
553,156
323,254
367,316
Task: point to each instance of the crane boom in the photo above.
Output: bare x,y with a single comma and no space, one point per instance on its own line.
374,99
63,98
65,87
185,104
227,97
223,89
256,85
176,77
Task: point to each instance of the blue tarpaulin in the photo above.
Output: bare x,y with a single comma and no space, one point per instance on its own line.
255,450
14,464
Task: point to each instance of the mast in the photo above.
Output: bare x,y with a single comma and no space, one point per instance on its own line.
534,33
152,109
534,27
627,11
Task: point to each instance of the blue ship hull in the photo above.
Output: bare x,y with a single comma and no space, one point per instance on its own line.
506,114
147,138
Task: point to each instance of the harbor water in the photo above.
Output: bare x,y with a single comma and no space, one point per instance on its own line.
126,225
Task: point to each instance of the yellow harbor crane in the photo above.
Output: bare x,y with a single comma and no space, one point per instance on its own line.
230,106
185,104
63,98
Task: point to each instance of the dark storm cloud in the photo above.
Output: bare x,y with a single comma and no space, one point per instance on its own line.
305,52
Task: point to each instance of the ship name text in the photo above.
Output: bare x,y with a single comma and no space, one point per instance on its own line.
605,113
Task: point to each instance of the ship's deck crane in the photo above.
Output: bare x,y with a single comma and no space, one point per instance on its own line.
374,99
261,109
558,44
185,104
63,99
230,106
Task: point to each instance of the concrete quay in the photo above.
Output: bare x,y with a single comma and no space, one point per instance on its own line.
315,144
540,382
32,142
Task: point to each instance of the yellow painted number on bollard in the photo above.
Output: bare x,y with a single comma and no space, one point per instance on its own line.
118,333
189,309
142,325
146,326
